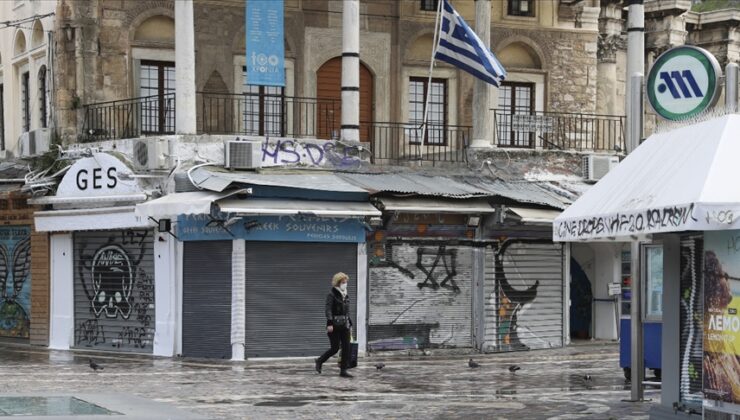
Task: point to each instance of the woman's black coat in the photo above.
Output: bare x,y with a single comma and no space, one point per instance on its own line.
336,306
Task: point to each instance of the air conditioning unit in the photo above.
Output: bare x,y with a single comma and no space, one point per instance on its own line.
35,142
241,154
151,153
596,166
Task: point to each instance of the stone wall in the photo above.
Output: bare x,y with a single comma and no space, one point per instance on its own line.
100,50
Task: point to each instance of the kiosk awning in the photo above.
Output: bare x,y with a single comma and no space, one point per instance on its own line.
679,180
539,216
436,205
172,205
267,207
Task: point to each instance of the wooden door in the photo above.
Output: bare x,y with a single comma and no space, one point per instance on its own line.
329,102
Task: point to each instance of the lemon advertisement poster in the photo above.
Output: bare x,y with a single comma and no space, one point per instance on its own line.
721,316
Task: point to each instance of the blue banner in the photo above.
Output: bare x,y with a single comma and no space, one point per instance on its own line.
270,228
265,44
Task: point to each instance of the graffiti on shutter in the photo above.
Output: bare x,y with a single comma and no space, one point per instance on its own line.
15,281
420,296
114,290
527,295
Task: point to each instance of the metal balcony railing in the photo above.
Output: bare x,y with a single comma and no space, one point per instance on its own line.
269,115
127,118
560,131
402,142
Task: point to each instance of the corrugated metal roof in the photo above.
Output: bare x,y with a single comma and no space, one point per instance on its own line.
521,191
404,183
454,187
216,180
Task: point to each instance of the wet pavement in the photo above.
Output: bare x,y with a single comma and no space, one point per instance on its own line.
550,384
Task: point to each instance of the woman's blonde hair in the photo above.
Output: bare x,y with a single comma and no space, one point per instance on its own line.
338,278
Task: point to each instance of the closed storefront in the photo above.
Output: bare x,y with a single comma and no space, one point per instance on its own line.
114,290
523,295
421,295
206,299
286,287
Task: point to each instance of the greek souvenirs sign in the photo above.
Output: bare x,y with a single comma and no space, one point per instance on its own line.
683,82
297,228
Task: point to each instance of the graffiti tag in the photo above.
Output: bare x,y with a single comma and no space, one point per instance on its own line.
292,152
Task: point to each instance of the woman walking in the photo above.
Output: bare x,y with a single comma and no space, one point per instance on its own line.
338,323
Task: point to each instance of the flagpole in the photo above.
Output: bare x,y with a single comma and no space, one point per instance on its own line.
435,40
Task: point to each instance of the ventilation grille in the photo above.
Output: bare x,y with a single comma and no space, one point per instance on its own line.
241,155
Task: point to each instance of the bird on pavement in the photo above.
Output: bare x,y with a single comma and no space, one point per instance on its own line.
473,364
379,366
94,366
514,368
587,377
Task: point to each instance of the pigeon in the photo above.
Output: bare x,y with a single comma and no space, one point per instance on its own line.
379,366
473,364
426,352
587,377
94,366
514,368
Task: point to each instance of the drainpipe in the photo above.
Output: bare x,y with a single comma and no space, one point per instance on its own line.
351,70
731,76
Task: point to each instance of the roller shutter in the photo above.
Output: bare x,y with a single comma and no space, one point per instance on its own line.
114,290
206,301
286,287
524,295
421,296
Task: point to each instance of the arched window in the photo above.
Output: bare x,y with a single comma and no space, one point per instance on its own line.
20,43
43,98
37,34
156,75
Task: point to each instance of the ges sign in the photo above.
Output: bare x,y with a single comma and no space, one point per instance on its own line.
99,175
683,82
96,180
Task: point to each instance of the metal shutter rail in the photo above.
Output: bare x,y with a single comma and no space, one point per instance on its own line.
691,321
490,305
114,290
402,312
287,284
206,299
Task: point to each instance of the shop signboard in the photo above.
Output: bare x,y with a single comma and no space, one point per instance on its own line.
98,175
295,228
721,319
683,82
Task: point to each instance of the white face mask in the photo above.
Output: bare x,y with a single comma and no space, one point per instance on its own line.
343,287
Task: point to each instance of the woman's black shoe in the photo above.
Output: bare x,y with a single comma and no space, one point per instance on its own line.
345,374
317,365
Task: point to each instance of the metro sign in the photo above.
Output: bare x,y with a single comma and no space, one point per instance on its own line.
683,82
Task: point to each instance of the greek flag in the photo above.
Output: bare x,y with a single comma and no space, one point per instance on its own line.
460,46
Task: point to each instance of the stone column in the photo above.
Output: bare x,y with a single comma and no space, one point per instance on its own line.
351,70
185,116
482,118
